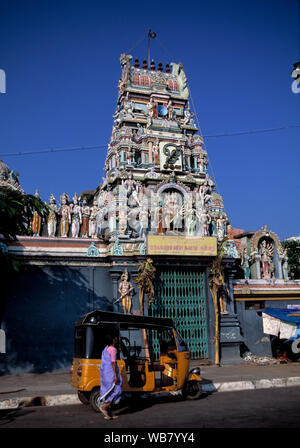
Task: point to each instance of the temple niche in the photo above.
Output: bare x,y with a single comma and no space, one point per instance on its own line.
262,256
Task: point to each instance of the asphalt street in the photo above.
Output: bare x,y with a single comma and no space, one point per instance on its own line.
265,408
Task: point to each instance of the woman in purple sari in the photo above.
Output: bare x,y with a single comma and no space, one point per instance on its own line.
111,381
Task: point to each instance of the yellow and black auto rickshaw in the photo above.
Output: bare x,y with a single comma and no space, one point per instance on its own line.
152,356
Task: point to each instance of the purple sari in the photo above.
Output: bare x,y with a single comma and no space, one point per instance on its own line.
109,391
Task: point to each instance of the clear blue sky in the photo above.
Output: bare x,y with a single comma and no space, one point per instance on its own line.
61,60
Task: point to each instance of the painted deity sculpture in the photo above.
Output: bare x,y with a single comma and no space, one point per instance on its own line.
155,152
126,291
223,299
93,228
151,108
285,266
122,218
245,263
36,219
76,217
65,213
85,218
170,110
52,217
191,221
266,254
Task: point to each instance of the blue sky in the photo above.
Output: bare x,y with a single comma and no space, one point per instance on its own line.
61,60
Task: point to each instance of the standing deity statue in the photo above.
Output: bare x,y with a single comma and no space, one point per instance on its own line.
36,219
155,151
191,220
170,110
93,228
52,218
85,210
126,291
266,253
143,220
65,213
245,263
223,299
204,221
151,107
221,227
122,218
285,266
76,217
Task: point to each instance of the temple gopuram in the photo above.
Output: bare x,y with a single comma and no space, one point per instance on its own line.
157,209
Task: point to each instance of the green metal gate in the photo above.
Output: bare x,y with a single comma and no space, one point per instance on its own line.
180,295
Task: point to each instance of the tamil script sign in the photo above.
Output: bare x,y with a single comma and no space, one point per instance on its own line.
180,245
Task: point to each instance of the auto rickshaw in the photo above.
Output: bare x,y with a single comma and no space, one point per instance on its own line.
152,356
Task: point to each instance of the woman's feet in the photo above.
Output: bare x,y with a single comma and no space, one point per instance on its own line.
105,413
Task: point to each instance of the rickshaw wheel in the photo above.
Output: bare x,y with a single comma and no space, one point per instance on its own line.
192,390
94,399
83,397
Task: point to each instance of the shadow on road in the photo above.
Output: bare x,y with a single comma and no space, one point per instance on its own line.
131,405
10,415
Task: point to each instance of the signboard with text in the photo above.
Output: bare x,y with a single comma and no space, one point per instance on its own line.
181,245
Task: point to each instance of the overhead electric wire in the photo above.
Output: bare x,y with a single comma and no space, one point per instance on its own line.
44,151
228,134
87,148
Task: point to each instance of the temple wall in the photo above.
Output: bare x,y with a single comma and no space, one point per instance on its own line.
40,310
255,340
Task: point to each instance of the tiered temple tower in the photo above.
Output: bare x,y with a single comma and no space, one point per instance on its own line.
157,182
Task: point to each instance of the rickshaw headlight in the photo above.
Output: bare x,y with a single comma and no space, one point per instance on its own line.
196,370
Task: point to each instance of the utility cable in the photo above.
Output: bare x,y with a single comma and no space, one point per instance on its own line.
82,148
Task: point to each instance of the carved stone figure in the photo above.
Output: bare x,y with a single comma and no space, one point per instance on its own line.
36,219
155,150
266,253
191,221
76,217
151,108
52,217
143,218
65,213
170,110
85,210
223,299
122,218
245,263
126,291
285,266
128,109
221,227
93,230
204,220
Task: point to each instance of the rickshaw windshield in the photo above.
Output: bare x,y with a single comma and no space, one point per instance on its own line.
181,345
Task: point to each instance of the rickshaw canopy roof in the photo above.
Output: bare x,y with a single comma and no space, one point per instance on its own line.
98,317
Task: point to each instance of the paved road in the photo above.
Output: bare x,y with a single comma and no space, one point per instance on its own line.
268,408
